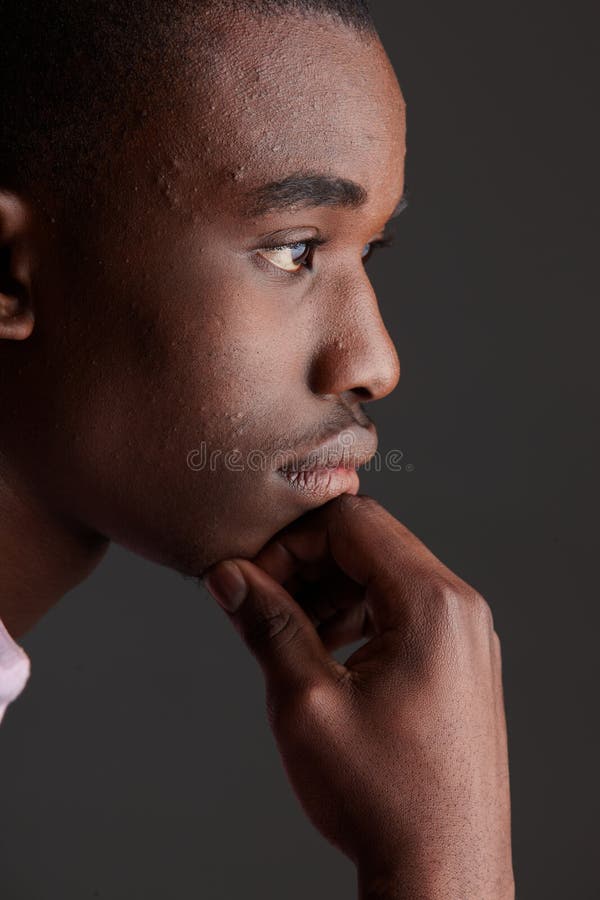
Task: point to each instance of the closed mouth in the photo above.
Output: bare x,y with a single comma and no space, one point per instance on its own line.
348,449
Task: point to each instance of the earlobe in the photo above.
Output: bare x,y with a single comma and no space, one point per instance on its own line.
16,309
16,321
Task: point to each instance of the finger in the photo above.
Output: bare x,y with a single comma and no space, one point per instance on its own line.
336,606
333,602
373,549
346,627
277,561
306,553
274,627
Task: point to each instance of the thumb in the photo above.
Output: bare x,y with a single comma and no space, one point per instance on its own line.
274,627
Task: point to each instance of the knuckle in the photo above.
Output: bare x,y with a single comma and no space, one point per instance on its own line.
314,698
300,709
446,618
479,609
452,602
278,627
445,600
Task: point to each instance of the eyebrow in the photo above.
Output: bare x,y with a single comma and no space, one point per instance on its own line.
310,190
305,190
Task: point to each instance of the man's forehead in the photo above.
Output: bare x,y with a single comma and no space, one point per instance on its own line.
335,118
280,88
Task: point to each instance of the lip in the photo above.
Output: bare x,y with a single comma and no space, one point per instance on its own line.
329,469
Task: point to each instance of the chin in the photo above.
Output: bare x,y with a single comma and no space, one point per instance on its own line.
192,532
192,556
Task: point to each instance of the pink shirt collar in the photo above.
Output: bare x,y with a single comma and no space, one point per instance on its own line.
14,669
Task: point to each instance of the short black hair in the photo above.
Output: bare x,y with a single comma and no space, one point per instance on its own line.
70,70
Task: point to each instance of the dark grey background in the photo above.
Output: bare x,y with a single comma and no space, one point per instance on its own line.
138,762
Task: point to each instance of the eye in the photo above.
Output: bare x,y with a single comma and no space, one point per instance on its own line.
370,248
289,257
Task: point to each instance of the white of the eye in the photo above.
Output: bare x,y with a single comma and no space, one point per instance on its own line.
283,257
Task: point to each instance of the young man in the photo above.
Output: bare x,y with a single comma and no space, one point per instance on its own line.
188,195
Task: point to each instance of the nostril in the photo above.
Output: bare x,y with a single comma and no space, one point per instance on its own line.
8,285
362,393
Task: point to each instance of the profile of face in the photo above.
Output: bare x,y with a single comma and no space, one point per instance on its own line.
214,298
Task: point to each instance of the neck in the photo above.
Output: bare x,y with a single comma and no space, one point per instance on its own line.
42,556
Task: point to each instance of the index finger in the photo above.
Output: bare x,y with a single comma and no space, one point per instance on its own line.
366,543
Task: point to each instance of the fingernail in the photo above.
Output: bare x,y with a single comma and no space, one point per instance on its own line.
227,585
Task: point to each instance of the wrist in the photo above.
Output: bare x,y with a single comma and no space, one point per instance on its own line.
433,881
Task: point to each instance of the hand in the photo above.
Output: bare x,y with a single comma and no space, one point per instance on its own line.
399,756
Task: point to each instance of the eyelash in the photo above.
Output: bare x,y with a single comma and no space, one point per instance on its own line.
313,243
379,244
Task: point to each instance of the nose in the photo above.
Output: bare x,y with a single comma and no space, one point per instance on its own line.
356,353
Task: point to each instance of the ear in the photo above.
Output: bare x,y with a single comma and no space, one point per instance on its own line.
16,309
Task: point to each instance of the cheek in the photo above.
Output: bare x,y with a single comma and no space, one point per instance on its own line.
184,333
221,376
222,366
188,356
156,361
229,354
158,381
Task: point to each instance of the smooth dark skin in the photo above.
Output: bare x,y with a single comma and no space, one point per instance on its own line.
133,332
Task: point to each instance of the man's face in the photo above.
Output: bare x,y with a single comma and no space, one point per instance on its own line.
171,331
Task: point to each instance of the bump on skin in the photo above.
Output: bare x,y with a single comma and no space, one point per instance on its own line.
60,61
